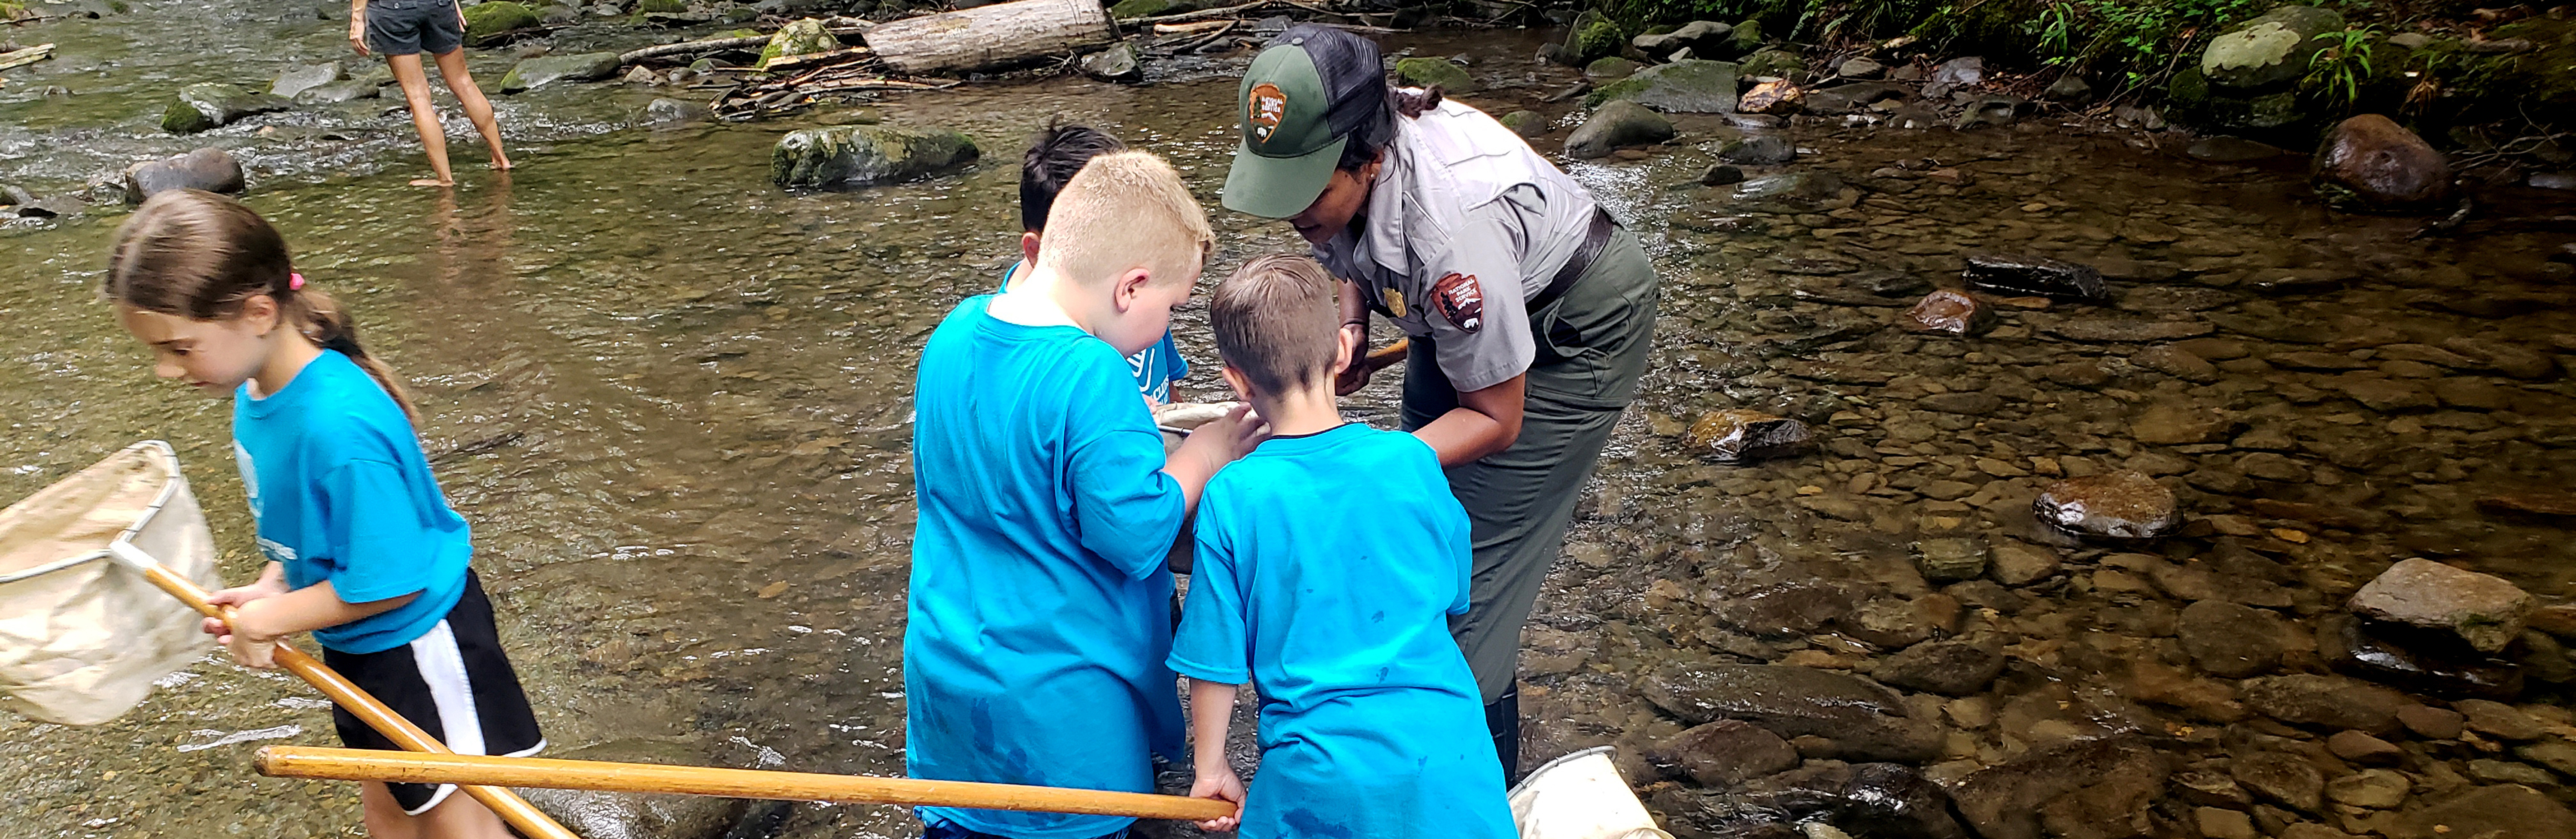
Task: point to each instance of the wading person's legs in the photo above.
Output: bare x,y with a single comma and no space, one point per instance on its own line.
451,66
424,116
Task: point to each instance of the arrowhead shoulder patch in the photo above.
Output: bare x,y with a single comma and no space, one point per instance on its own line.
1460,300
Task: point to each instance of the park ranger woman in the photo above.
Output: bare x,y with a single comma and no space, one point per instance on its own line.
1529,309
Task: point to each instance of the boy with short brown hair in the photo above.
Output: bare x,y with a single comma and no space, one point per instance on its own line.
1039,604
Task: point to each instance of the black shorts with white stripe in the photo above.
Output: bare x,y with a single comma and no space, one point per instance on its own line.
452,682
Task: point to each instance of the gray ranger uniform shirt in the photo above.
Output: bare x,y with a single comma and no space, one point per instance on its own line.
1464,224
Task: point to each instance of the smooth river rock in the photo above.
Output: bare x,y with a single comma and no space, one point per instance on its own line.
2325,702
849,156
1862,720
2484,610
1950,313
2096,786
2267,51
1617,124
1743,436
2371,163
209,169
2120,505
1698,87
2036,276
1724,753
545,70
202,107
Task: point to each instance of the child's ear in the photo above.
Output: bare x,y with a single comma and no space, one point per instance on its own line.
1131,285
260,313
1235,379
1029,248
1345,351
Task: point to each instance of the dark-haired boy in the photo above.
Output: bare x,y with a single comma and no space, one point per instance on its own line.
1371,724
1059,152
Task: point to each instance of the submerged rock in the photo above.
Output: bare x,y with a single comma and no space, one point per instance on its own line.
2370,163
2503,810
1950,312
1694,86
862,155
2415,660
2121,505
2325,702
1528,124
202,107
1859,719
1724,753
2231,640
1950,668
1617,124
1742,436
1614,67
2036,276
1807,186
2100,787
1758,150
2225,149
2284,778
209,169
1117,63
2482,609
336,92
1894,800
1950,560
544,70
668,111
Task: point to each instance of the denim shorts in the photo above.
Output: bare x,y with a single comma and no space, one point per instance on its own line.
411,27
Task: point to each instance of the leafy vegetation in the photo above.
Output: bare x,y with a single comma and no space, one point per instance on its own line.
2338,72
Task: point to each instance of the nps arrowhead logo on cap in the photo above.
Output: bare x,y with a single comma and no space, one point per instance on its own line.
1263,108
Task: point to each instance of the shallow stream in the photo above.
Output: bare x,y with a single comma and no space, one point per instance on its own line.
673,400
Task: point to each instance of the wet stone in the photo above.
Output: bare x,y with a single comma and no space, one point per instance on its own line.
2212,790
2100,782
2371,163
1758,150
2121,505
2036,276
2233,641
1952,313
2281,777
2378,789
2435,723
2428,661
1745,436
299,79
2484,610
1894,800
2505,812
1860,68
1786,610
2364,749
1950,560
209,169
1969,403
1700,87
1773,97
864,155
2385,395
1861,720
2117,330
2558,755
2215,823
2176,362
544,70
1893,623
2509,772
2017,564
2325,702
2226,149
2181,423
1617,124
2498,719
1950,668
1724,753
1721,175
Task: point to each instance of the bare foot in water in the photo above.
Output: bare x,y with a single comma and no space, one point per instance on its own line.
502,163
431,182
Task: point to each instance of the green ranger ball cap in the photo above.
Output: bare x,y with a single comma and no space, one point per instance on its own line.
1289,145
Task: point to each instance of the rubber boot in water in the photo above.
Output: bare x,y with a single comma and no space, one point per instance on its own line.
1503,720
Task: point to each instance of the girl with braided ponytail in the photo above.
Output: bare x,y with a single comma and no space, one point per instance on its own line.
363,550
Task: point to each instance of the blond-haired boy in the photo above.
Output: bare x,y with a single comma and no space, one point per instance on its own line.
1039,605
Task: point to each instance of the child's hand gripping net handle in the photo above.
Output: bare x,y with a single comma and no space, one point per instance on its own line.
504,803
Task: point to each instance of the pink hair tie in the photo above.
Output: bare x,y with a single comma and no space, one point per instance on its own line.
294,282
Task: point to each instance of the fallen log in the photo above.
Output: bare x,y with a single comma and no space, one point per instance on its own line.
24,57
992,36
751,43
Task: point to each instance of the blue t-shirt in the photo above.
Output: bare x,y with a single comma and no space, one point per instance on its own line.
1040,607
341,492
1371,725
1155,367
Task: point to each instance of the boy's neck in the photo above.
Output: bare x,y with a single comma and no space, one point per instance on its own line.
1305,410
1036,297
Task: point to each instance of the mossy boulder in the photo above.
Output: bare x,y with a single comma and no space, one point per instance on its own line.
799,37
494,22
1699,87
851,156
2191,97
1613,67
1525,123
1617,124
1776,63
1592,36
202,107
2269,51
1744,38
1426,72
544,70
